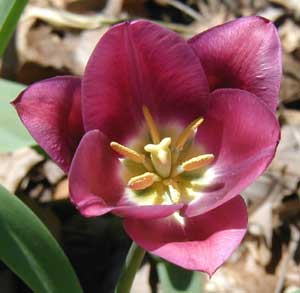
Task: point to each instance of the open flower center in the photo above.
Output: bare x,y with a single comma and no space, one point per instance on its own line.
169,169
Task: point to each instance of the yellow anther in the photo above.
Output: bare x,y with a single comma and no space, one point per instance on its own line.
127,152
197,162
187,133
143,181
151,125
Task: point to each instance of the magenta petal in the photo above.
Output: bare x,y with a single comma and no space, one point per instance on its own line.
244,54
51,111
94,183
202,243
243,135
146,212
141,63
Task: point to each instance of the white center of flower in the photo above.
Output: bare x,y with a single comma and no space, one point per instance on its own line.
167,167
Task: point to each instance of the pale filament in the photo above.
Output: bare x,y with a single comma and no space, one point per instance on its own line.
174,190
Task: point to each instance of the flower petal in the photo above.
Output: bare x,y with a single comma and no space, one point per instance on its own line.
93,178
202,243
244,54
146,212
243,135
51,111
140,63
95,184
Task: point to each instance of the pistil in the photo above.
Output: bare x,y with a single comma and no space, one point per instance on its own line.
161,156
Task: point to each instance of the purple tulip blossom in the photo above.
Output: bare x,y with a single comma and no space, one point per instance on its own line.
166,133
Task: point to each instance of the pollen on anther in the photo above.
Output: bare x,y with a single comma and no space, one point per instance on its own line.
187,133
151,125
143,181
127,152
197,162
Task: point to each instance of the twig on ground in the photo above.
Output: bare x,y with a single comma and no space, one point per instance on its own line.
61,18
182,7
272,194
295,238
113,8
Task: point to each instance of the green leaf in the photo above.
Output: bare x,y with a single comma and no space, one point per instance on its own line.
13,134
10,11
28,249
174,279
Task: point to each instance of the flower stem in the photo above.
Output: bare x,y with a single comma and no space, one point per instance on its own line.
132,263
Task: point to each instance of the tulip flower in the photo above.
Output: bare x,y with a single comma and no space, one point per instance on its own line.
166,133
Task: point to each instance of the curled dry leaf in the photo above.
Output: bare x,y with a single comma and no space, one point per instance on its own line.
272,13
290,36
15,166
287,159
290,116
61,190
52,172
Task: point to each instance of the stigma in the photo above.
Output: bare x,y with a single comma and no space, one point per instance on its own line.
160,155
165,162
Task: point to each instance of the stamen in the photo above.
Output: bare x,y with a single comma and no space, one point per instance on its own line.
127,152
147,164
143,181
151,125
187,133
197,162
194,163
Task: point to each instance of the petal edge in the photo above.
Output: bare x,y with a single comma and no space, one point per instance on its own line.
230,62
51,111
202,244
